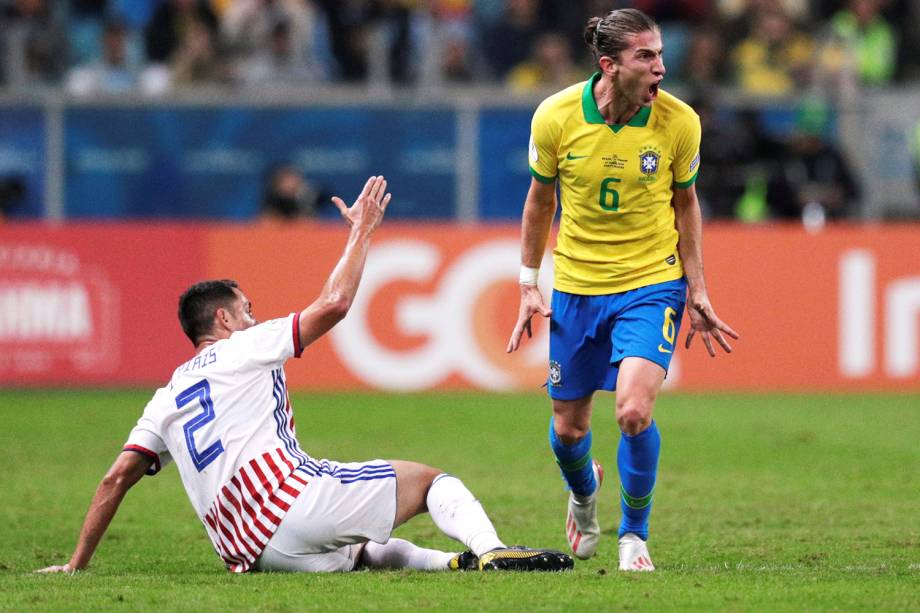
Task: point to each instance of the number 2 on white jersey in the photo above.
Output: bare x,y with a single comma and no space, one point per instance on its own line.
201,391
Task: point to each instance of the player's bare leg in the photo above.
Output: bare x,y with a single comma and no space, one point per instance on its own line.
570,440
638,384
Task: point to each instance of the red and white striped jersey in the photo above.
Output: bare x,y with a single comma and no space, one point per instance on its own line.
225,420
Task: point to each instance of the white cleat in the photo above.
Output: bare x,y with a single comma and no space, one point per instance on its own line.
634,554
581,527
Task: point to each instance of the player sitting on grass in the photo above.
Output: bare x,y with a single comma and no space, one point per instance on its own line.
226,421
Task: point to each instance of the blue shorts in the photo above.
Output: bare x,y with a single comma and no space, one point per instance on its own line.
590,335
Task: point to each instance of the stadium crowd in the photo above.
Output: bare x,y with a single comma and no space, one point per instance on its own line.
814,52
762,47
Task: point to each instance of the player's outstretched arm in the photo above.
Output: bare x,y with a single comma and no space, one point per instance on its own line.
539,208
364,216
703,318
128,468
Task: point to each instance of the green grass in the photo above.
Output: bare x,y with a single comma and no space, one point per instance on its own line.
778,502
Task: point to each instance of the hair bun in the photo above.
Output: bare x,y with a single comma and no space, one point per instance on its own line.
591,30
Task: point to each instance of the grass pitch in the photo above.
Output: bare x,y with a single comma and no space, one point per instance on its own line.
776,502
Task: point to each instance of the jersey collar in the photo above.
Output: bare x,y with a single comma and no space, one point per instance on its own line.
593,114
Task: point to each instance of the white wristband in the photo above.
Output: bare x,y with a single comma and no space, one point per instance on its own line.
529,275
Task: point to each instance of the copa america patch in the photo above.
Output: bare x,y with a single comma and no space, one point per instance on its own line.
532,147
555,373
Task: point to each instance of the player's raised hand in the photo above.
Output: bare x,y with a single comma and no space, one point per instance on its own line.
369,207
703,319
531,304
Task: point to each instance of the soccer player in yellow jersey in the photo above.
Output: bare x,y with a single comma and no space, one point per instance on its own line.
628,257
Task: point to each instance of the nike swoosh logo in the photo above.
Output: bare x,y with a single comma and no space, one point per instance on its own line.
662,349
576,157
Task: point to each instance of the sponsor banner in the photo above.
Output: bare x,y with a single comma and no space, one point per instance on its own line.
93,305
838,310
96,305
214,163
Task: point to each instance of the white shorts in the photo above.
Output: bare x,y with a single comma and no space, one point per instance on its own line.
343,506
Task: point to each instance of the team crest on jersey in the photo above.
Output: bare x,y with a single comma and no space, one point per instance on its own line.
555,373
648,161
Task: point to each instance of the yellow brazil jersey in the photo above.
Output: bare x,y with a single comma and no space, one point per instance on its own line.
615,182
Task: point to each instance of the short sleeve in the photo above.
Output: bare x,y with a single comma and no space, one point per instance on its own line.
544,146
269,344
687,151
146,440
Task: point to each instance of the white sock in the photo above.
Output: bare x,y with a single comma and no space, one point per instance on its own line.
460,516
398,553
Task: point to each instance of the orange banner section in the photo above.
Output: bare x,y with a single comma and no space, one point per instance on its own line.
829,311
95,305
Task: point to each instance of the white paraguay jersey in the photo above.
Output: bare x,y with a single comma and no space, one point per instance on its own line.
226,421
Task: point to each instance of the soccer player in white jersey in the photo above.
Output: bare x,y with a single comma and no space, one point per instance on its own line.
225,419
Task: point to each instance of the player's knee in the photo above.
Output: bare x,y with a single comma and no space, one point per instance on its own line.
570,432
634,415
414,474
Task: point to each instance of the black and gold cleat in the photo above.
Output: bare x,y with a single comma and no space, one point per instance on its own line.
464,561
522,558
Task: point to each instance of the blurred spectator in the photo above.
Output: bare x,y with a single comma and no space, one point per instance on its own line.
727,151
815,170
868,39
170,24
456,61
774,59
510,41
762,182
444,42
33,46
85,21
135,14
704,62
88,8
249,26
197,61
549,67
675,10
278,64
12,193
731,10
288,195
111,73
358,27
